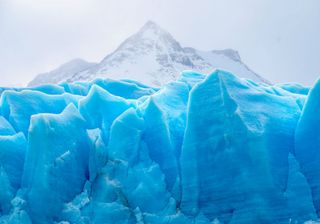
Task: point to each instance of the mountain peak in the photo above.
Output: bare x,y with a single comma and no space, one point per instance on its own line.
151,30
151,25
150,38
153,56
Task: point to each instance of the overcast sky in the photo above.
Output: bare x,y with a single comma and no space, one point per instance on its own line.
278,39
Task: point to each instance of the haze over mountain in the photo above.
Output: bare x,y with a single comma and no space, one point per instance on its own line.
60,73
151,56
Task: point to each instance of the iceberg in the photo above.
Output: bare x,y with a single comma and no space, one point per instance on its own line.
202,149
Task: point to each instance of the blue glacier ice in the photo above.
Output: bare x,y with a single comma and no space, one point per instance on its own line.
203,149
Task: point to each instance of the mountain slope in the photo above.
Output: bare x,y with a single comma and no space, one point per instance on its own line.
154,57
63,72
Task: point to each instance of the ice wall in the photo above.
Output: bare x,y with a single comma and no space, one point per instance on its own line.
203,149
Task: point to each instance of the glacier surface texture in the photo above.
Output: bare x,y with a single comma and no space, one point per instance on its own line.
202,149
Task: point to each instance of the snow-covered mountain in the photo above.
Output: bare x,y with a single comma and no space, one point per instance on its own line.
61,73
151,56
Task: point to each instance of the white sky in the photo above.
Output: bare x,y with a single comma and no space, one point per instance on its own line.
278,39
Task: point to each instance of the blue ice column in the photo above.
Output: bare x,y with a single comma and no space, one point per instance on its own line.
56,165
307,143
234,161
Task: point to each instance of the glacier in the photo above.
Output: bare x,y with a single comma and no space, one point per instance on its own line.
202,149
